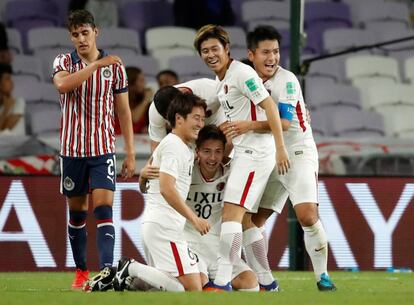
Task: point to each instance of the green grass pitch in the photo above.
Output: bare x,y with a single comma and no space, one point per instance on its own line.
367,288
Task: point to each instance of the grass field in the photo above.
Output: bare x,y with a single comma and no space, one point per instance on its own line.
368,288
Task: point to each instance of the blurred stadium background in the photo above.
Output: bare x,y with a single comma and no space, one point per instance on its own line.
361,103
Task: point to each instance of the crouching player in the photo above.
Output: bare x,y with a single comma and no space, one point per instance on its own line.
205,198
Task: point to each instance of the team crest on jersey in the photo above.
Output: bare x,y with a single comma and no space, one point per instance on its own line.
68,184
107,73
220,186
226,89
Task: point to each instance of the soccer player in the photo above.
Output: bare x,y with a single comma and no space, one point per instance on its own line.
202,87
166,211
242,97
91,84
300,184
205,198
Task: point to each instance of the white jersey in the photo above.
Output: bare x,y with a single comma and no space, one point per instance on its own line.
204,88
239,93
205,198
175,158
284,87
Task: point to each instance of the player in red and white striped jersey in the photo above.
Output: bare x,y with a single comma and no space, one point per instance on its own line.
92,85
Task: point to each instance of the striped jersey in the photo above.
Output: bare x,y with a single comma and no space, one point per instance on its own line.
284,87
87,123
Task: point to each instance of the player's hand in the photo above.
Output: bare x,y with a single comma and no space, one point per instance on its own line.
201,225
128,166
108,60
150,172
235,128
282,160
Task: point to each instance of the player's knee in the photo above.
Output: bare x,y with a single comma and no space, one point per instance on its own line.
245,280
259,219
232,212
307,220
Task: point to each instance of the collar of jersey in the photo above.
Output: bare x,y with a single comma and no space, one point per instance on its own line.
76,58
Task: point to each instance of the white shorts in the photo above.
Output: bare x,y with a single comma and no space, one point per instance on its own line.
166,250
207,254
300,184
247,180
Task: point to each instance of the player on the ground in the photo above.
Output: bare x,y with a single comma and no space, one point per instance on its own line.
300,184
205,198
242,96
91,84
202,87
166,211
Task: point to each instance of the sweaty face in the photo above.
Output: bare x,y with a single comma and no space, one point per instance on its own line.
210,155
265,58
192,124
84,38
215,55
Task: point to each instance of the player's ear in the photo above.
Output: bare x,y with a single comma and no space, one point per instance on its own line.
96,31
250,55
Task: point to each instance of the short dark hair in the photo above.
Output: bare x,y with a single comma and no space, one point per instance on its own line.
183,104
260,33
132,73
167,72
210,31
5,68
78,18
210,132
163,98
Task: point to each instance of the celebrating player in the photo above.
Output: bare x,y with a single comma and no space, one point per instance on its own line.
242,97
91,83
301,182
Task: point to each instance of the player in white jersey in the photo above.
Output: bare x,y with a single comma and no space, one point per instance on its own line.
91,85
300,184
166,212
203,87
205,198
242,96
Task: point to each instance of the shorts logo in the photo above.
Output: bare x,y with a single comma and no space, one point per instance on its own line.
220,186
107,73
251,84
68,184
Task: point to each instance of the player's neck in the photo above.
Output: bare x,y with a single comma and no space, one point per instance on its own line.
207,175
179,132
91,56
220,74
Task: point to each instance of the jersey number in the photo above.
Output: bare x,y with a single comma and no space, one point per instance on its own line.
203,211
111,171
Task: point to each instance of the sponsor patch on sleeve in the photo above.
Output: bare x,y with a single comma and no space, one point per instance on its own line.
251,84
290,88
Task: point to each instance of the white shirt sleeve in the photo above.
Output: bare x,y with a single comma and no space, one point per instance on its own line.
19,106
157,124
251,85
170,163
289,90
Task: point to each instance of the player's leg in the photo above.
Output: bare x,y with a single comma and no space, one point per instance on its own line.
244,279
144,278
102,173
303,193
170,253
74,185
256,254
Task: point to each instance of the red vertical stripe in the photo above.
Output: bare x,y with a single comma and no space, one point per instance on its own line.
253,111
300,116
97,104
177,258
246,188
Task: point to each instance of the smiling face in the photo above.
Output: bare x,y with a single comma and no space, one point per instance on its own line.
190,126
265,58
215,55
210,155
84,38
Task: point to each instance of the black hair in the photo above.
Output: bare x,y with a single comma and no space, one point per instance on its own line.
163,98
210,132
5,68
167,72
183,104
260,33
78,18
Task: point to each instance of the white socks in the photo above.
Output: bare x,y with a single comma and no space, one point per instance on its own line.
154,277
256,255
230,249
317,247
